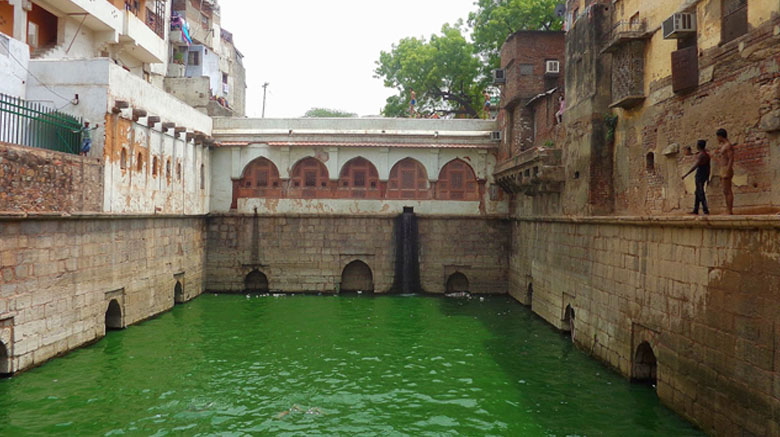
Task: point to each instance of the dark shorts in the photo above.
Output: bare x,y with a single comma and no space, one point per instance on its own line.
86,145
414,102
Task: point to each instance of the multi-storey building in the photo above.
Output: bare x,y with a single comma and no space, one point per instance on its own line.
205,70
647,80
531,81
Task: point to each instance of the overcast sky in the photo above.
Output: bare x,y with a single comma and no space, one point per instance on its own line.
321,53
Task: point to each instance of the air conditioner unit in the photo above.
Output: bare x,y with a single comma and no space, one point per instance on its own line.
552,67
495,135
679,26
499,76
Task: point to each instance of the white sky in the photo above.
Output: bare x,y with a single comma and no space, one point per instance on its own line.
322,53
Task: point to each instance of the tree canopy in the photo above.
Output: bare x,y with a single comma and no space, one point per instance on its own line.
449,72
442,70
495,20
328,113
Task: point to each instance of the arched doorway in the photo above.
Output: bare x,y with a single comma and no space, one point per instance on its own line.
645,365
256,282
178,293
568,320
457,283
5,360
357,276
113,315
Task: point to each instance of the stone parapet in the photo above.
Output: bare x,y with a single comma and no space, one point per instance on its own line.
702,293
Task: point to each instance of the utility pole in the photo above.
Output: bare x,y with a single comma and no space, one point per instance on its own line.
265,89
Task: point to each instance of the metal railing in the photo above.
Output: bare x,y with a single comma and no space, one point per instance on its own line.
34,124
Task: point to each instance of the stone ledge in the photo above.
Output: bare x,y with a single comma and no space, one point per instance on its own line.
729,222
354,216
17,216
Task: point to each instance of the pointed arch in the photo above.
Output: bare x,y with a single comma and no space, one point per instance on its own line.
359,179
457,283
114,316
357,276
457,181
5,360
256,282
645,368
408,180
178,293
260,178
309,179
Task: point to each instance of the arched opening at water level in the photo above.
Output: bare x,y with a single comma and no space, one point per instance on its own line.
113,315
645,365
357,276
568,321
457,283
256,282
178,293
5,360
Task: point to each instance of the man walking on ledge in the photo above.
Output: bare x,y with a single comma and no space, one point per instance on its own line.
726,153
702,168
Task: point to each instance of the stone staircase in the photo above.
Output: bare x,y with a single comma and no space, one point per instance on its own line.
44,52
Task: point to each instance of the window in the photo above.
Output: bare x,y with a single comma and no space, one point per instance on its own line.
650,162
408,180
178,171
526,69
139,162
311,175
224,78
155,166
735,20
202,177
194,58
168,169
359,179
123,159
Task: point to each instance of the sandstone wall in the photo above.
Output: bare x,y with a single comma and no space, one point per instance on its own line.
39,180
703,294
58,277
309,253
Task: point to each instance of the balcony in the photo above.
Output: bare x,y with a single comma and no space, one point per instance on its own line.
628,75
100,16
142,41
625,31
532,172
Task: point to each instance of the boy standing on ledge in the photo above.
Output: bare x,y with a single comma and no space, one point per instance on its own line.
702,168
726,152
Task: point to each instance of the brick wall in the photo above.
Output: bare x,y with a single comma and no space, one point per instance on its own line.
59,276
38,180
704,295
308,254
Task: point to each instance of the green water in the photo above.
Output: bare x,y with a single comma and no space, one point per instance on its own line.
418,366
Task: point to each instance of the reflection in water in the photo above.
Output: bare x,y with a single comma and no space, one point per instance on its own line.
357,365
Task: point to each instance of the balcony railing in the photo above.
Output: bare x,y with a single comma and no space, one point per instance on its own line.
155,22
534,171
36,125
623,31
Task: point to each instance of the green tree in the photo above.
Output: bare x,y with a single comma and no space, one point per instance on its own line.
495,20
328,113
443,71
448,72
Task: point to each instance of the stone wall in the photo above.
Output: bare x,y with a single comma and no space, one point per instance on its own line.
38,180
59,277
703,294
309,253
